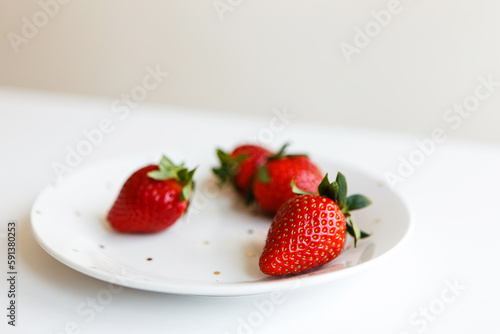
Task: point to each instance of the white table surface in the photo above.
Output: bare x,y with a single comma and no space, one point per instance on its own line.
453,196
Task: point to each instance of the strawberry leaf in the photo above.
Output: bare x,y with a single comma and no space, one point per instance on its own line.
183,174
342,192
221,175
263,174
327,189
168,170
356,202
337,191
356,232
188,184
223,156
166,163
324,184
280,154
187,191
191,174
297,190
228,166
161,175
249,196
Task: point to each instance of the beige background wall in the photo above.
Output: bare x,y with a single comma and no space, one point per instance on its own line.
265,54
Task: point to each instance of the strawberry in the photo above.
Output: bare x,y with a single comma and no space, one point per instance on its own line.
152,198
271,187
309,230
240,166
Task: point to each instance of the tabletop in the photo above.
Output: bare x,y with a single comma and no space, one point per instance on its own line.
440,281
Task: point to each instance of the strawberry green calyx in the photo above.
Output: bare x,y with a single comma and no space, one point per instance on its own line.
281,153
297,190
228,166
263,174
168,170
337,191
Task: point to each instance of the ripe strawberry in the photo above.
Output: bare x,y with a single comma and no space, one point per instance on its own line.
240,166
309,230
153,198
271,187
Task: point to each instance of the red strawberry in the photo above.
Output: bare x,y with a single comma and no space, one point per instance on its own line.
309,230
240,166
271,187
153,198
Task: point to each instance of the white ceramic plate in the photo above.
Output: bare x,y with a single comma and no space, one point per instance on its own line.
213,251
